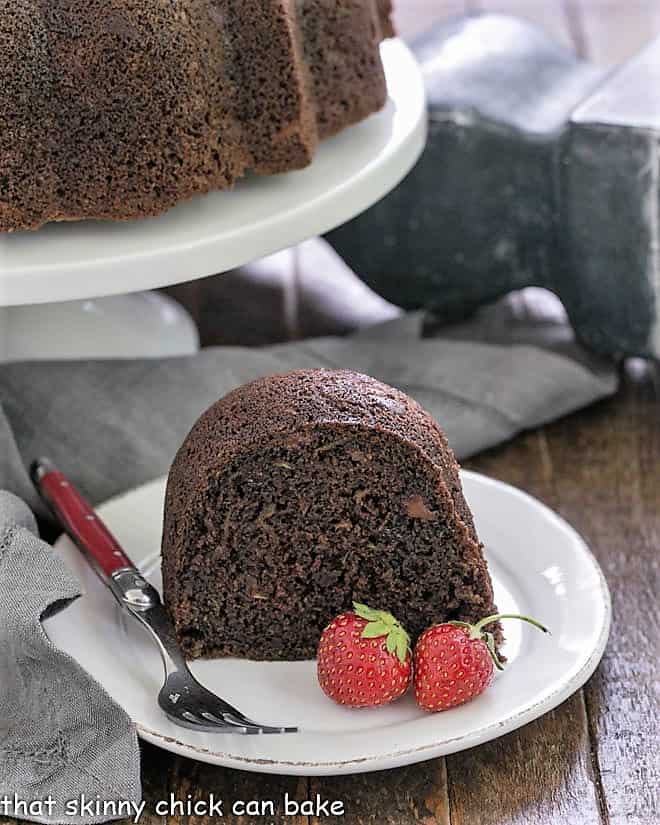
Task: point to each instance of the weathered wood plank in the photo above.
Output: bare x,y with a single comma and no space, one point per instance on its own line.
584,763
538,775
614,31
612,495
601,470
415,794
542,773
155,784
549,15
199,780
575,22
412,17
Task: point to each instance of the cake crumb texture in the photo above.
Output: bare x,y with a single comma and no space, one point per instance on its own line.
299,493
123,108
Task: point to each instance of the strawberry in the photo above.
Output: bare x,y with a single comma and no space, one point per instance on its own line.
364,658
455,661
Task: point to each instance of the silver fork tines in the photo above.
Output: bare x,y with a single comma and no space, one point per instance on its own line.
185,701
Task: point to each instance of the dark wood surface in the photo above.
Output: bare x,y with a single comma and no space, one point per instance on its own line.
595,758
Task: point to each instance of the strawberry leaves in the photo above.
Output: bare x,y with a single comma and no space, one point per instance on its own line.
375,629
364,662
381,623
367,613
455,661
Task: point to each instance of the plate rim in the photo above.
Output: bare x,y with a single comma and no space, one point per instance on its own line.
158,260
429,750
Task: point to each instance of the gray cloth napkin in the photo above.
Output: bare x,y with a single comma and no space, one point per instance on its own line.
60,733
114,424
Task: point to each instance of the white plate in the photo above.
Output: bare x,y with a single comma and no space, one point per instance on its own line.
539,565
350,172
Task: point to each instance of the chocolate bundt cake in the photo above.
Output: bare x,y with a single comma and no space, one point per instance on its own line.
295,495
123,109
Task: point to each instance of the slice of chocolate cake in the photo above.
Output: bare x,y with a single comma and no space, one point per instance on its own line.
299,493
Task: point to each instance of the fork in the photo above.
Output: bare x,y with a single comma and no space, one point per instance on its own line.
184,700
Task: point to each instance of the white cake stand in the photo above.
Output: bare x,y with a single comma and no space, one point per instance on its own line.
51,281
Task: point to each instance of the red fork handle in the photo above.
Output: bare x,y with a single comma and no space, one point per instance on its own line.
77,517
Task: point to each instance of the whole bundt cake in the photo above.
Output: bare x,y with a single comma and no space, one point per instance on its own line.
297,494
123,108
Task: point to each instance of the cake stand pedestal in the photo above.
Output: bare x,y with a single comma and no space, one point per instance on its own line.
54,282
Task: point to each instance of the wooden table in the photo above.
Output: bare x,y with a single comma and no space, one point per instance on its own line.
595,758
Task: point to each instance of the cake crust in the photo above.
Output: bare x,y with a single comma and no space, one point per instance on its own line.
296,494
123,108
